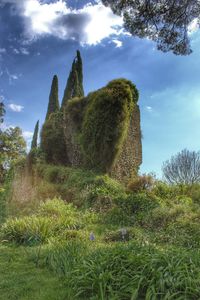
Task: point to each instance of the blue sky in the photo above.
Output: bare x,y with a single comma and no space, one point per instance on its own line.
39,39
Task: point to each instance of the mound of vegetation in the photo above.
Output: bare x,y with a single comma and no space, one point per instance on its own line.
105,241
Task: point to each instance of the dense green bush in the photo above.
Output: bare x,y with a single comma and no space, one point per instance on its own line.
193,191
76,109
138,203
27,230
162,216
106,123
53,218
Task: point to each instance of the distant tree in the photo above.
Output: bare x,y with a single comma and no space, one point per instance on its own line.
12,147
35,136
53,105
164,21
182,168
2,112
74,87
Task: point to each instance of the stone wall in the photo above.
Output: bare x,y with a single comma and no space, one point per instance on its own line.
130,159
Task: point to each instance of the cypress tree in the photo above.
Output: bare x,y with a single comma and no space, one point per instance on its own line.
71,82
53,105
74,87
35,136
79,68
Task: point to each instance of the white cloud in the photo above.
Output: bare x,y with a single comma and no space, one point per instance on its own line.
193,26
149,108
16,51
118,44
89,25
2,50
12,77
15,107
27,134
22,50
103,23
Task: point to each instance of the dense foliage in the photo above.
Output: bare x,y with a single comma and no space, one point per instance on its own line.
52,139
12,148
34,142
2,112
74,86
145,246
164,21
53,105
106,122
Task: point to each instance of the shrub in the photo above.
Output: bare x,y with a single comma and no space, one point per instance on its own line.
162,216
183,200
169,192
64,216
54,218
57,208
137,203
27,230
118,216
193,191
141,183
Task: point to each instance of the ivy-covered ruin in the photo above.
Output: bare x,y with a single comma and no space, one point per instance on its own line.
100,131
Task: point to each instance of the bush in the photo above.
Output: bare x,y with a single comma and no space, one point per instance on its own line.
193,191
162,216
118,216
141,183
56,174
27,230
169,192
54,218
137,203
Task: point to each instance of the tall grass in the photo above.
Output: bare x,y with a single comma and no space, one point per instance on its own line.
135,272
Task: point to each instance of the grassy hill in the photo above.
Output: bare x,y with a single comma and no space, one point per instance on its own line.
74,234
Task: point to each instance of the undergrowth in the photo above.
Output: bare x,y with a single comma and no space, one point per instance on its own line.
106,242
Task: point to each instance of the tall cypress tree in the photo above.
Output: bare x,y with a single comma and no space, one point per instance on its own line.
79,67
74,87
53,105
35,136
71,82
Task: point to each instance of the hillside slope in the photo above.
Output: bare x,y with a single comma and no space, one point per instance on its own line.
101,241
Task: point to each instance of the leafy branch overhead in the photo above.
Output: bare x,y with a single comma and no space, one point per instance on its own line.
164,21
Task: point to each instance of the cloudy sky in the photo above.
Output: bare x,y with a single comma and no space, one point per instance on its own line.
39,38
